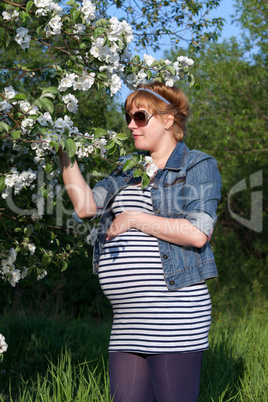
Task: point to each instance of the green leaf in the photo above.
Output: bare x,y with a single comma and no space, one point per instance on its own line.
48,95
113,149
27,231
122,136
172,70
46,260
2,182
48,167
28,6
72,3
110,144
155,63
52,90
98,32
64,266
149,74
137,173
75,14
191,79
102,76
145,180
4,126
19,96
101,22
47,105
99,132
24,18
38,103
15,134
70,147
130,163
55,145
62,144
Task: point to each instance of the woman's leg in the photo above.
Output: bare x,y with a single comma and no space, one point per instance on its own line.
130,379
176,376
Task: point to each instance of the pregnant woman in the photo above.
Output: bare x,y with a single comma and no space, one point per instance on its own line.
152,253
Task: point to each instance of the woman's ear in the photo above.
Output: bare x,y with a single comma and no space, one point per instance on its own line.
169,120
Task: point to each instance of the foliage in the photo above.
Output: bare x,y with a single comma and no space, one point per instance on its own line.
229,121
253,16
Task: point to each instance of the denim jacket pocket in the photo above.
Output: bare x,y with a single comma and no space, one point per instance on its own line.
174,199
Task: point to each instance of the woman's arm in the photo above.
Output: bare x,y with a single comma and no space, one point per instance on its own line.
78,190
177,231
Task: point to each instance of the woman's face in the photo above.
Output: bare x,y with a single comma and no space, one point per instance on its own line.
150,137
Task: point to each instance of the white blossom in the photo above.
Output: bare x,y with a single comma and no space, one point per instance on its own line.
55,23
148,159
67,82
7,15
41,275
45,119
3,344
22,37
19,180
148,59
10,92
79,28
84,82
5,106
88,9
63,123
42,3
151,169
119,28
71,102
170,81
185,61
41,12
31,248
15,277
115,85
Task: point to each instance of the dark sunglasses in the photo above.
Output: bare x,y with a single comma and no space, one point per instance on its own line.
141,118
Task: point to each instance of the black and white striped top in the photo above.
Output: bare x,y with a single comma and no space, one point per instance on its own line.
148,318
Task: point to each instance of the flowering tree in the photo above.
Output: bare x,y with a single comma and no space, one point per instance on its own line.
88,52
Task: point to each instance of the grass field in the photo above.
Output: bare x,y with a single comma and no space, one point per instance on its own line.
66,359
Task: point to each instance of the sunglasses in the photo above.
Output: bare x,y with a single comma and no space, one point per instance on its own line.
141,118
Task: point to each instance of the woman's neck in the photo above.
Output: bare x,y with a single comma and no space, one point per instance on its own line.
161,156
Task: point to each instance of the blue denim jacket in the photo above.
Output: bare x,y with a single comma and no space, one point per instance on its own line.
188,187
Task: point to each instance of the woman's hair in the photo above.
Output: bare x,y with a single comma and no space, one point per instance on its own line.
178,107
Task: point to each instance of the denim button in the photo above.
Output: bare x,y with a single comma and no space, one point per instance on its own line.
157,211
165,256
171,282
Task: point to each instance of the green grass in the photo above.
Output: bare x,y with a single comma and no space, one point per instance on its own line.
66,360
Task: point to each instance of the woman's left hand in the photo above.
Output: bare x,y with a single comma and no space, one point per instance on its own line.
122,223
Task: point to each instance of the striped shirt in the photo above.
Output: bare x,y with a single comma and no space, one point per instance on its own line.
148,318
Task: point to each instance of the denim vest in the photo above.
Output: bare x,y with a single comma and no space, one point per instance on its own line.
188,187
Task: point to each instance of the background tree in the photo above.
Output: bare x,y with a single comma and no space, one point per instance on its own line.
229,121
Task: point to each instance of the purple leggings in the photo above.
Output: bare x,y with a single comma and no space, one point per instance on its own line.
171,377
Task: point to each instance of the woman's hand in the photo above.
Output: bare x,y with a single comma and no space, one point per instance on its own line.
122,223
177,231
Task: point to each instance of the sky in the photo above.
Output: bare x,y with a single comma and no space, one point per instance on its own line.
225,10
